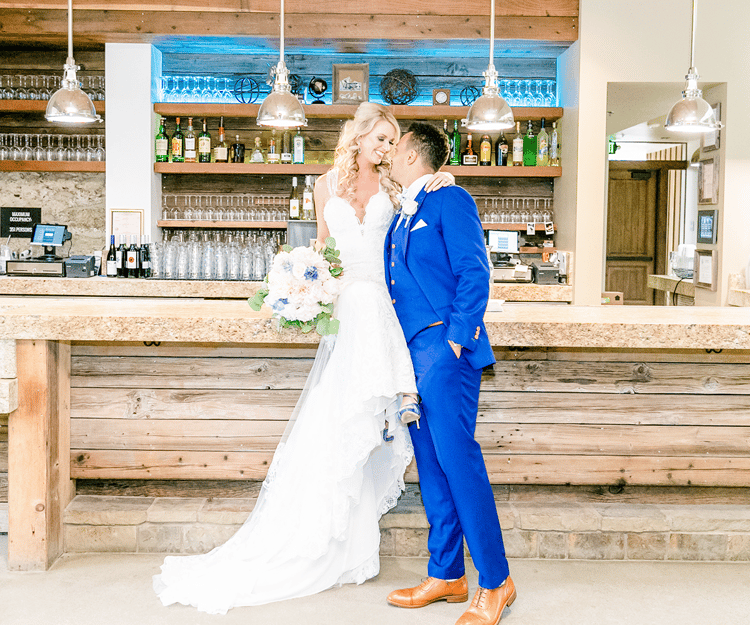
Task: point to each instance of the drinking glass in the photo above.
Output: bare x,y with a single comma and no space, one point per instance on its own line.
225,91
22,89
7,92
208,261
27,154
195,256
80,151
101,154
208,94
100,88
170,260
90,148
156,251
234,262
40,153
4,146
51,151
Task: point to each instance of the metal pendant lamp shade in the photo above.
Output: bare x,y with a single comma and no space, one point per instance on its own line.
490,112
281,108
70,104
692,114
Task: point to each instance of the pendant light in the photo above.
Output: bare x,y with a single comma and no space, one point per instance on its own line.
490,112
692,113
70,104
281,108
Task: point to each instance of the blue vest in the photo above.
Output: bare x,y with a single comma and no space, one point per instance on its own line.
413,309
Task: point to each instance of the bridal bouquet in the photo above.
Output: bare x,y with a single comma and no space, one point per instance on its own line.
301,287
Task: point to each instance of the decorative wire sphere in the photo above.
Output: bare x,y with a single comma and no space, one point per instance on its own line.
399,86
246,90
469,94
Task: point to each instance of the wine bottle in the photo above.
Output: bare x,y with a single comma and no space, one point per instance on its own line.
273,155
542,147
286,147
518,147
131,258
450,138
178,146
238,150
161,143
144,259
122,252
257,155
308,205
298,148
501,151
529,147
112,259
468,157
204,145
221,149
554,152
485,151
191,145
456,145
294,200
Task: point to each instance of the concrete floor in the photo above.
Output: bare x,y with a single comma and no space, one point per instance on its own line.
116,590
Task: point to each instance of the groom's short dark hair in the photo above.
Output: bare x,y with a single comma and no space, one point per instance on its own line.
430,143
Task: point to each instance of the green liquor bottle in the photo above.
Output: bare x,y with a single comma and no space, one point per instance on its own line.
529,147
455,145
178,146
162,144
204,145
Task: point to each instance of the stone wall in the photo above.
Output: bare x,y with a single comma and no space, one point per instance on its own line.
74,199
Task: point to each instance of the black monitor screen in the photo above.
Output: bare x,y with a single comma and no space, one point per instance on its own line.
45,234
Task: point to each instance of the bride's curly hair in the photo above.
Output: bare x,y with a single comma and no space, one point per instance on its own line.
368,114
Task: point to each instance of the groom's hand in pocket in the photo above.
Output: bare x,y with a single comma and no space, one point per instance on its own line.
456,348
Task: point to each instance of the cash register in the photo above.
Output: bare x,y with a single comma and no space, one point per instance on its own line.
505,268
49,237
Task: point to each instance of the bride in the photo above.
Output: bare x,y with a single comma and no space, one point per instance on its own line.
340,464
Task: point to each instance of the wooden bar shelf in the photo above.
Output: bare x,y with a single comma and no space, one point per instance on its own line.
76,166
32,106
506,226
240,168
493,171
339,111
229,225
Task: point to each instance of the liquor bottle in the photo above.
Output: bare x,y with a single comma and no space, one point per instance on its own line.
485,151
294,200
221,149
501,151
456,145
308,205
238,150
178,147
554,151
144,257
257,155
529,147
162,144
204,145
518,147
286,147
132,258
298,148
273,156
450,138
468,157
112,259
122,252
191,144
542,147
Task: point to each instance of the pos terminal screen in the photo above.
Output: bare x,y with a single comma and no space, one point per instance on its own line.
50,235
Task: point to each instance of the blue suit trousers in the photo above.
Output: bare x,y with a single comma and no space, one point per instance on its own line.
453,479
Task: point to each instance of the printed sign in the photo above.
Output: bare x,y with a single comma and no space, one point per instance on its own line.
18,223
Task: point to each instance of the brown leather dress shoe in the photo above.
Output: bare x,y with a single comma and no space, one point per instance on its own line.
488,605
429,591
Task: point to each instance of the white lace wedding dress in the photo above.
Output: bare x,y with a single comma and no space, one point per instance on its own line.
332,477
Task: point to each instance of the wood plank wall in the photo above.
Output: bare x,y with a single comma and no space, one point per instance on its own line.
546,416
98,21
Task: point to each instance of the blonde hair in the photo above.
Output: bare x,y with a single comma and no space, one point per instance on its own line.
368,114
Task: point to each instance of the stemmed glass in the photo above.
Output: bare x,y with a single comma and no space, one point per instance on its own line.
62,152
101,154
50,152
27,152
39,152
208,93
225,94
7,92
4,147
195,92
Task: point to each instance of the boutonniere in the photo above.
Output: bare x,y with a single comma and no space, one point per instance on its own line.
409,207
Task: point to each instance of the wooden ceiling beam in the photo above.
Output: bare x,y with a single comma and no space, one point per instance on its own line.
517,8
92,27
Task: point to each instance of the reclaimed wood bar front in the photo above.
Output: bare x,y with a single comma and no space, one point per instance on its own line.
599,395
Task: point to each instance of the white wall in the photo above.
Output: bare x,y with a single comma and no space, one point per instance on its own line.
646,41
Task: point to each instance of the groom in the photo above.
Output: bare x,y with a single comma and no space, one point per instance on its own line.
438,276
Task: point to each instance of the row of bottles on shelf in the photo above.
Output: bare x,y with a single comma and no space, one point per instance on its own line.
528,150
201,148
129,262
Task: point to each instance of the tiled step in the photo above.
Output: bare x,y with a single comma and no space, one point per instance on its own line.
559,530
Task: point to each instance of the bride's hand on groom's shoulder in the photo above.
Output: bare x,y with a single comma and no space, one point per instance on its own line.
439,180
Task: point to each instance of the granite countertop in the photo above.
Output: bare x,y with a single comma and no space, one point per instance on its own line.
221,289
192,320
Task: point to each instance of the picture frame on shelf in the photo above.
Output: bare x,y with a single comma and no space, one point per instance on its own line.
707,226
127,222
706,272
712,140
351,83
708,181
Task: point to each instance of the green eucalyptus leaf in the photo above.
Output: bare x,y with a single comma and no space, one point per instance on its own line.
333,326
286,248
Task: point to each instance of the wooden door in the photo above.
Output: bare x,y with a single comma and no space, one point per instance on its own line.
631,233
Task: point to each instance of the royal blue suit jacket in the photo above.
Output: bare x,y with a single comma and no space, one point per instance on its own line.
448,259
